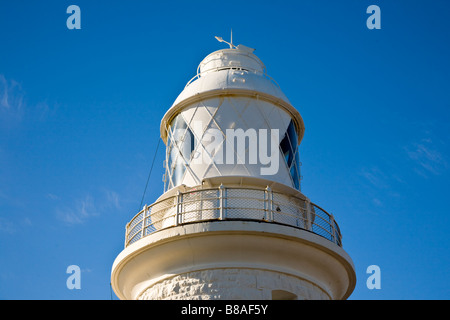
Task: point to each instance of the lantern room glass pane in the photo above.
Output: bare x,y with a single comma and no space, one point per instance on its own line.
289,148
181,144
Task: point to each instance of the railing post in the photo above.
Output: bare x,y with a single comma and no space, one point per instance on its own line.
333,229
126,234
144,216
308,215
179,200
269,204
222,209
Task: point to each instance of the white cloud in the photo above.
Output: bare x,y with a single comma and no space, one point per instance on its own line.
112,199
87,207
377,202
427,157
11,97
13,104
79,212
375,176
27,221
52,196
7,226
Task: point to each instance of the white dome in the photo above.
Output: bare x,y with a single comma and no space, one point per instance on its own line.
242,57
231,79
231,69
228,72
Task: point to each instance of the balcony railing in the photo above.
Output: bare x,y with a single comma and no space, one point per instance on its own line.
232,203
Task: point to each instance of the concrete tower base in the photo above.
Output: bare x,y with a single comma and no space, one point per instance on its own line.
234,284
233,260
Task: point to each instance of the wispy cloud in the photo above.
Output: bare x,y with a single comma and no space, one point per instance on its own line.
7,226
79,212
390,177
427,156
378,184
52,196
10,226
375,176
12,97
113,199
14,106
87,207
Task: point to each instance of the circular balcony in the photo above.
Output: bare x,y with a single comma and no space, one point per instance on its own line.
233,203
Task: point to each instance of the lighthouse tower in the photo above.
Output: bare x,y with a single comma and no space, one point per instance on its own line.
232,222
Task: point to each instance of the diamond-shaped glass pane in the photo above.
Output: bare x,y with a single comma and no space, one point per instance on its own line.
289,148
181,143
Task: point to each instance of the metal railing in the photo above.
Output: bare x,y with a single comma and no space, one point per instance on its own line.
237,68
232,203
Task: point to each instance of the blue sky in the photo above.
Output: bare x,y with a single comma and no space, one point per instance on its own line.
80,112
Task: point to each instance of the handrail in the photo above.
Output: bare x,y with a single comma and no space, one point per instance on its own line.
198,75
232,203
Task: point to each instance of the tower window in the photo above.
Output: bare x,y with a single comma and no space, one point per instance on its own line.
289,148
181,143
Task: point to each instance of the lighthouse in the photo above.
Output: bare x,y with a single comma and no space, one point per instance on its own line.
232,222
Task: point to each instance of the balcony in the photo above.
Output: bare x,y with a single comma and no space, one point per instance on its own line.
233,203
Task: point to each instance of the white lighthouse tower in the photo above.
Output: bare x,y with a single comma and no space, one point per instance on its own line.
232,222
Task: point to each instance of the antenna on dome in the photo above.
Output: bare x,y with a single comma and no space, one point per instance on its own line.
231,38
229,43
